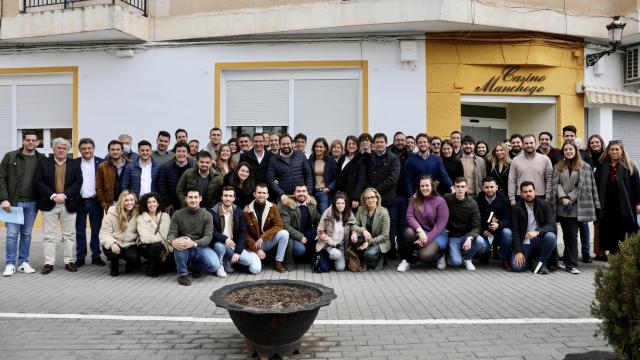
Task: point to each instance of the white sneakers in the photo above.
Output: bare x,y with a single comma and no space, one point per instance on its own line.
221,273
469,265
26,268
442,263
9,270
403,266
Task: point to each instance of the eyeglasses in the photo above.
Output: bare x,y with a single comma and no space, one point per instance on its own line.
435,144
615,142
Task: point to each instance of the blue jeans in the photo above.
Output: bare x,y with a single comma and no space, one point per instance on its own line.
545,245
323,201
505,238
248,259
455,249
280,241
92,208
24,231
202,258
583,226
300,249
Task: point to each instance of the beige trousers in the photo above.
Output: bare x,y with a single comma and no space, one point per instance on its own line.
67,221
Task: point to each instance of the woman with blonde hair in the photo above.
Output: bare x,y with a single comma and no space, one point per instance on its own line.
370,234
119,233
224,163
575,195
336,149
153,228
498,164
619,192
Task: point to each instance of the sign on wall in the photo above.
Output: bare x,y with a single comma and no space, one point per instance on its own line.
513,81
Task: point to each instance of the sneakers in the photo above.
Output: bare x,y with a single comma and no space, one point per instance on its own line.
573,270
403,266
184,280
26,268
442,263
540,268
221,273
469,265
9,270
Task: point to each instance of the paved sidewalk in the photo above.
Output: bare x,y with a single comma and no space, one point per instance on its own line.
423,293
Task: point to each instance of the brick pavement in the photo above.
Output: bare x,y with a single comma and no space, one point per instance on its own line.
421,293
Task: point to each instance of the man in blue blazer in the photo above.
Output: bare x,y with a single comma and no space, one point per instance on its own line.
89,205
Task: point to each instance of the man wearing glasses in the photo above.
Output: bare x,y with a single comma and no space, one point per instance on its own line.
17,172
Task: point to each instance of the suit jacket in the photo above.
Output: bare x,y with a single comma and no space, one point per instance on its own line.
259,170
45,182
96,161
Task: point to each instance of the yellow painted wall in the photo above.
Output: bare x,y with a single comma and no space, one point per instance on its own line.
457,64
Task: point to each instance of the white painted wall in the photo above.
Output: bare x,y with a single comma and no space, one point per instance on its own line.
531,118
608,72
168,88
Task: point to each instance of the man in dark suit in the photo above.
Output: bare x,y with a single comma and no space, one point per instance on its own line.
58,182
89,205
258,158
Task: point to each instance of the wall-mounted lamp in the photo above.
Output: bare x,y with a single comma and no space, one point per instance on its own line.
615,29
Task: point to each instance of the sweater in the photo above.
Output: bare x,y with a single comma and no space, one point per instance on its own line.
110,232
537,169
417,167
464,216
500,207
432,218
196,224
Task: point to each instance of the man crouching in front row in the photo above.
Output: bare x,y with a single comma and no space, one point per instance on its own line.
190,234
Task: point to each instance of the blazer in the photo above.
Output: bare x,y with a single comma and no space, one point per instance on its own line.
384,175
259,170
45,182
329,175
380,228
96,161
352,180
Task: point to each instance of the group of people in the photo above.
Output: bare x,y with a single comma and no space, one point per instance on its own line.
354,205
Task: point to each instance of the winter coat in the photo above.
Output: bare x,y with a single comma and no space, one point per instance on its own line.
110,232
131,177
384,175
150,231
189,180
283,176
586,197
290,214
239,226
11,172
545,217
271,224
168,178
326,225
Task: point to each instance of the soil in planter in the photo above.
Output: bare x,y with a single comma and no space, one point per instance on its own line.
273,297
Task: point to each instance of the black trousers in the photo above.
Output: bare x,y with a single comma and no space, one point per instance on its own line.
130,254
570,237
152,253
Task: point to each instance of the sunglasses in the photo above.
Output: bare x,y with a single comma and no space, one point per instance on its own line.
615,142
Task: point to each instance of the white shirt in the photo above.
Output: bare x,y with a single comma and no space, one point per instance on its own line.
228,223
346,161
88,189
145,177
259,156
532,224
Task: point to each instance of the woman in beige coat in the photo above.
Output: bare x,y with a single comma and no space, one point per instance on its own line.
370,234
334,229
119,234
153,228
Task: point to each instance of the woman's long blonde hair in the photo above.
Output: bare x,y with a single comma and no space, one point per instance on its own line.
624,158
122,215
493,159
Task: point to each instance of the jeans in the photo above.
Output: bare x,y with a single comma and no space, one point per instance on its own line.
279,240
455,249
248,259
30,211
372,255
202,258
300,249
324,201
92,208
570,227
583,226
505,238
545,245
337,256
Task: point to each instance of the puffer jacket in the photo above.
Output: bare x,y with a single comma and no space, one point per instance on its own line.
168,177
283,176
131,177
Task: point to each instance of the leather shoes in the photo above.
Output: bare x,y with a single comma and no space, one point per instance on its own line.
71,267
505,265
279,266
46,269
80,263
98,262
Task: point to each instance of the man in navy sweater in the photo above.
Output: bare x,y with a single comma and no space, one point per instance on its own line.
424,163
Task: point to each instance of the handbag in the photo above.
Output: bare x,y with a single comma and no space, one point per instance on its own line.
320,263
353,260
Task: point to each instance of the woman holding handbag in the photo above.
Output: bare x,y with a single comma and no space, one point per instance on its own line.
153,228
334,229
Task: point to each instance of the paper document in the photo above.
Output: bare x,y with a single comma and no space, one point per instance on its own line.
16,216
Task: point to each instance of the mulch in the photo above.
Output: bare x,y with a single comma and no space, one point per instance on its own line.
273,297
